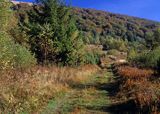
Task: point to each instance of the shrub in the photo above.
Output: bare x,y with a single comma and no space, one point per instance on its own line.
6,51
138,87
13,55
117,44
148,59
132,53
92,58
152,58
134,73
153,39
113,52
23,58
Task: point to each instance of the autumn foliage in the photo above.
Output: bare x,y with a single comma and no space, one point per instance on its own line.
141,86
134,73
30,91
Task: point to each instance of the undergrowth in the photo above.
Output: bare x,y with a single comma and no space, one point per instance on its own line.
141,86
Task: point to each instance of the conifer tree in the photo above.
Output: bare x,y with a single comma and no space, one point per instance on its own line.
54,36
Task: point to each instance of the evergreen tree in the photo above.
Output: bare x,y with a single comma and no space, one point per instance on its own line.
53,34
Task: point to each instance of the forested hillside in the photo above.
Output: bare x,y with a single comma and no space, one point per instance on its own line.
56,59
101,24
97,26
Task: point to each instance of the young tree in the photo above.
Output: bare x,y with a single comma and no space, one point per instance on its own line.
53,34
12,55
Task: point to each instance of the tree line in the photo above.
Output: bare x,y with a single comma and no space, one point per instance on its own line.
48,36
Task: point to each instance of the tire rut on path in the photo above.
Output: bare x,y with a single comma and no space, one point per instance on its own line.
91,97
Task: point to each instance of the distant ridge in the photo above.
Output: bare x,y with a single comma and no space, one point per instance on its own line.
97,23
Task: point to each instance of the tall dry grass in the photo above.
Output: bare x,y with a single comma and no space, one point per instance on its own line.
139,85
133,72
31,90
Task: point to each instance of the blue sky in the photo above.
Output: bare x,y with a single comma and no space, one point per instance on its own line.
149,9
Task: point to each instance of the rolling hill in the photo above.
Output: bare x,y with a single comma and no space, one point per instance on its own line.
102,24
96,25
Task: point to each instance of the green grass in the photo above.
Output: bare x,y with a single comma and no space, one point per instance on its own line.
87,98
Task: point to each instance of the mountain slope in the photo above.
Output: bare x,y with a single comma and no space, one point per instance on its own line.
102,24
96,25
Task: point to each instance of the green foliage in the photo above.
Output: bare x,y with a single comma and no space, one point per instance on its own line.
92,57
23,57
153,39
6,52
156,38
112,52
149,40
109,24
7,17
132,54
117,44
53,34
93,39
152,58
105,24
13,55
5,14
40,41
148,59
74,50
138,46
19,36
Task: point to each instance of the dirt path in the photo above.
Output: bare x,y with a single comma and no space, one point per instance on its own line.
90,97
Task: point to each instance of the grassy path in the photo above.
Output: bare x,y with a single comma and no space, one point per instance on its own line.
89,97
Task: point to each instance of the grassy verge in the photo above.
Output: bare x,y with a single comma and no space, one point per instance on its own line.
32,90
86,97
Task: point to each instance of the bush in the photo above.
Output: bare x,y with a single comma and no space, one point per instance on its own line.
23,58
151,59
117,44
113,52
138,87
92,58
132,53
133,72
13,55
148,59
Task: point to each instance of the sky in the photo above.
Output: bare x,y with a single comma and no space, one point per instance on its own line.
149,9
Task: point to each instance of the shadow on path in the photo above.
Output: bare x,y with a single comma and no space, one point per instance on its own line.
111,87
125,107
